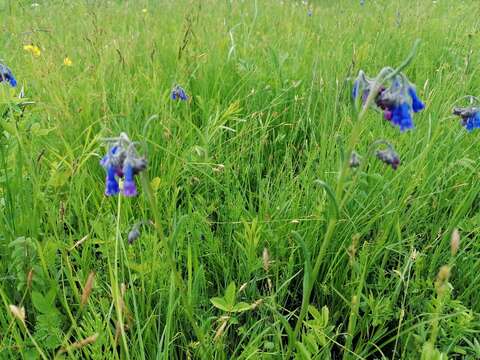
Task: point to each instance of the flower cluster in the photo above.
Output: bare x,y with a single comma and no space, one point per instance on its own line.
178,93
6,75
470,117
33,49
122,161
397,100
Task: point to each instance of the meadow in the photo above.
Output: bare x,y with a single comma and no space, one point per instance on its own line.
253,235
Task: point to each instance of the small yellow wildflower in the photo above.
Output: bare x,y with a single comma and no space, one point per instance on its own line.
144,11
67,61
33,49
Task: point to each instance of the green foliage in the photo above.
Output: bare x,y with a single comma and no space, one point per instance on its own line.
228,302
316,341
48,320
23,259
252,161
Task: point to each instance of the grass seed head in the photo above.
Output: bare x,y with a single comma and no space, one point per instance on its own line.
87,290
455,242
18,312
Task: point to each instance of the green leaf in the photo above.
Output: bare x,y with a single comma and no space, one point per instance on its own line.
325,315
309,342
8,127
302,351
241,307
221,304
37,130
58,178
230,294
30,354
314,312
41,303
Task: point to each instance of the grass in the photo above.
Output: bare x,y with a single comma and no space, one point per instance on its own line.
249,214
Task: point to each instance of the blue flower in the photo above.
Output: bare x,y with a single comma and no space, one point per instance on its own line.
122,161
129,188
402,117
111,184
470,117
179,93
417,104
397,98
472,122
7,75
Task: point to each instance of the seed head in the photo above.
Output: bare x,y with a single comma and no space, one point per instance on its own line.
455,242
266,260
87,289
18,312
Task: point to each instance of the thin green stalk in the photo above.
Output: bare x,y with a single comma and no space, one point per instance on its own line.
115,290
170,257
383,76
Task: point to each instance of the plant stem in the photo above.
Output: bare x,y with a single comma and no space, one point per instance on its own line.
170,257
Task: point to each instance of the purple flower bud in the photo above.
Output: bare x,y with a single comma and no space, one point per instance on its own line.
134,234
179,93
389,157
354,160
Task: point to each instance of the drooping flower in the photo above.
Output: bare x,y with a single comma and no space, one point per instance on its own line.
354,161
122,161
470,117
6,75
400,116
111,184
178,93
389,157
134,234
417,104
129,188
397,100
32,49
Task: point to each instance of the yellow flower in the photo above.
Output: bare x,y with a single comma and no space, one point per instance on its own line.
67,61
33,49
144,11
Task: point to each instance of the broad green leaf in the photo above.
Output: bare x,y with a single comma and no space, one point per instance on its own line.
41,303
302,351
241,307
230,294
37,130
314,312
309,342
221,304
